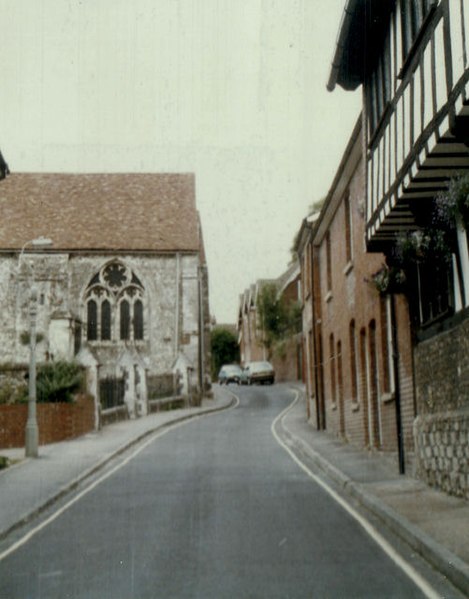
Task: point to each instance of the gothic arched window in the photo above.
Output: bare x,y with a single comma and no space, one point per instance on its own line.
115,305
106,320
138,320
92,320
124,320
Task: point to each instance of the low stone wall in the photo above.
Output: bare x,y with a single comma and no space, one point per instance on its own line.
442,451
441,430
56,421
169,403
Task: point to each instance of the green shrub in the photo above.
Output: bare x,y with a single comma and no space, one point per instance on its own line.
25,337
58,381
13,392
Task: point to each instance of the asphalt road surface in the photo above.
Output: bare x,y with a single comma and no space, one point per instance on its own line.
214,508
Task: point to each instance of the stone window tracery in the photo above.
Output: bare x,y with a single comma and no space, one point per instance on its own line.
114,304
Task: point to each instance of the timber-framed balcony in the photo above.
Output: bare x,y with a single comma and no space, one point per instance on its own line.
422,140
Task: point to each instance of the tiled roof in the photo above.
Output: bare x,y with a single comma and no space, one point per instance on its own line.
112,211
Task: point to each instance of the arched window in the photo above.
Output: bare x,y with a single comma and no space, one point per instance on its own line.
354,374
124,320
92,320
138,320
106,320
332,369
115,304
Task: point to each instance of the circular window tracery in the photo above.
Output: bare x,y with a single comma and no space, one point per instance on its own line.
114,306
115,275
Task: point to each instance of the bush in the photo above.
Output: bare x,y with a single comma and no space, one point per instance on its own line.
59,381
13,391
224,349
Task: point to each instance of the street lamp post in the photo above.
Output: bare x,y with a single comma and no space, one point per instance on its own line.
32,430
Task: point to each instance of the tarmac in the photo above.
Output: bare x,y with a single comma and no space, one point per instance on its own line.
435,525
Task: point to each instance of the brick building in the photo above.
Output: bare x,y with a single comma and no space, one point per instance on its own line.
122,289
250,340
286,355
353,384
412,60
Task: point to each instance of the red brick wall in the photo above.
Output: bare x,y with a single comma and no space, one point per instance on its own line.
287,360
346,297
56,421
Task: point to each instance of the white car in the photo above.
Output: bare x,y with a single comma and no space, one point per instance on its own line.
259,372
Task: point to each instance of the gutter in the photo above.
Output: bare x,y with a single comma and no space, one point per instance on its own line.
344,30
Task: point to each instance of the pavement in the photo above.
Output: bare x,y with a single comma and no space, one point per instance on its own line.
434,524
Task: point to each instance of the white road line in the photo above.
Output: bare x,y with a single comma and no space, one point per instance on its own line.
27,537
416,578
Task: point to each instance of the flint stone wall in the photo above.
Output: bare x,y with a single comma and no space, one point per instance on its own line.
441,429
442,442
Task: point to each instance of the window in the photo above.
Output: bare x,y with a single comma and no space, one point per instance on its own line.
374,390
379,87
115,305
329,261
106,320
353,361
92,320
124,320
434,292
332,369
305,273
348,229
340,388
365,385
413,15
138,320
387,338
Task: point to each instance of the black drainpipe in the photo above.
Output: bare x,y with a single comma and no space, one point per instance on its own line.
397,390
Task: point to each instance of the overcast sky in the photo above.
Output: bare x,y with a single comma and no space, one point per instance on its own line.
232,90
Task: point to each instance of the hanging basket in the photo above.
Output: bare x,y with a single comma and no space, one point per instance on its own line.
452,205
389,280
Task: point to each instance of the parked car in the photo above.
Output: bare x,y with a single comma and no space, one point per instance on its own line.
243,379
259,372
229,373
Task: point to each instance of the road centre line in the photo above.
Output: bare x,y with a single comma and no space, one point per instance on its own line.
28,536
416,578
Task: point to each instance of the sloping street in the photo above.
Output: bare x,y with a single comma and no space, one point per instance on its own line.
214,508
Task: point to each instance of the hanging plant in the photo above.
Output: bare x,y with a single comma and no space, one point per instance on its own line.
412,247
389,280
452,205
424,245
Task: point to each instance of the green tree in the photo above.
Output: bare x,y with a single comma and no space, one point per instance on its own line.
224,347
277,318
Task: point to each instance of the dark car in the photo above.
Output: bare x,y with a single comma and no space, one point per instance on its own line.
229,373
260,372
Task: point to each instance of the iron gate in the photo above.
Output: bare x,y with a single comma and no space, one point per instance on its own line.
111,392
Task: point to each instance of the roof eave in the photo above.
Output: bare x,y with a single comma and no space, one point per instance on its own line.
360,28
343,38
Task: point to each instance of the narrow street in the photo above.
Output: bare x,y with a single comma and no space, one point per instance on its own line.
215,508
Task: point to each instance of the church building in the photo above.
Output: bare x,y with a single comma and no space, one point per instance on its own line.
112,269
